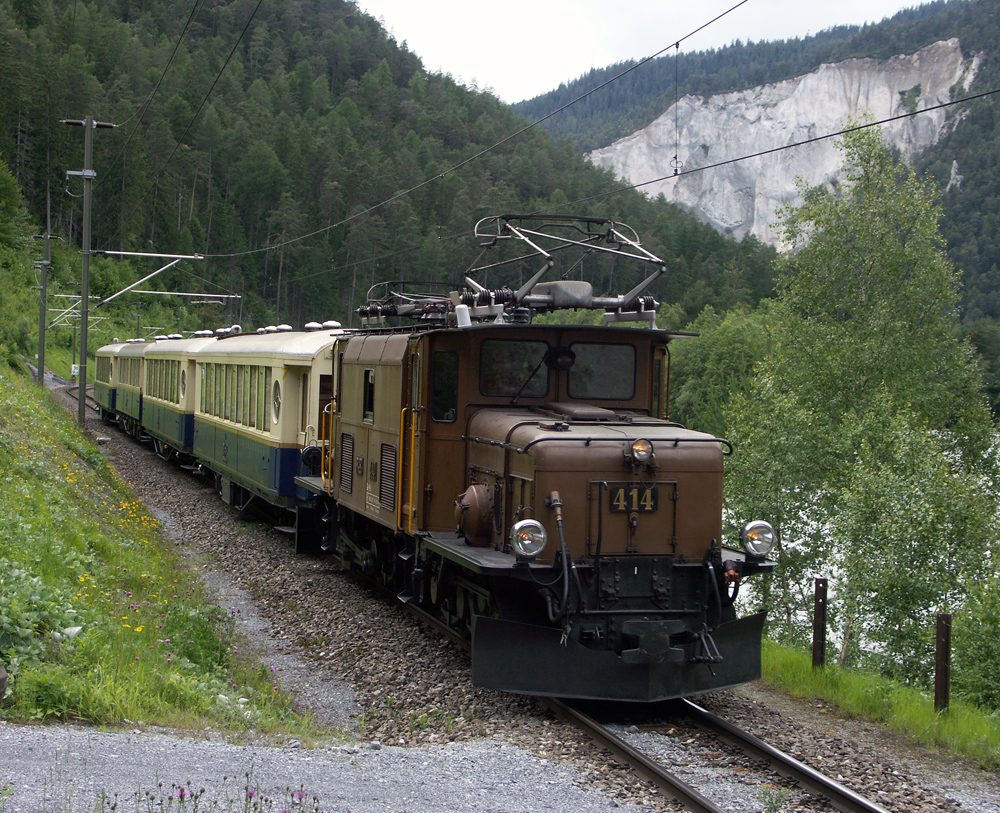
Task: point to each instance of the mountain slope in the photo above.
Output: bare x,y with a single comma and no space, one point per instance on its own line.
963,161
744,196
317,125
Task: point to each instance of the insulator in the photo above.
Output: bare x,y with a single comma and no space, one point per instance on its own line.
641,303
500,296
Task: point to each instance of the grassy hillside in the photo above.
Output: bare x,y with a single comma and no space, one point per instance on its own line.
99,621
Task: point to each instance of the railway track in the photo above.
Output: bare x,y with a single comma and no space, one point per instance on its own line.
670,785
838,796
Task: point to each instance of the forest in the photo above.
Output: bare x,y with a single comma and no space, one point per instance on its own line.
306,156
302,151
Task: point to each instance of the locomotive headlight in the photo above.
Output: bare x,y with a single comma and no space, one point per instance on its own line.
528,537
758,538
642,450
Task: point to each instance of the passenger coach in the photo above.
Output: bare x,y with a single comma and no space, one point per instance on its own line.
258,404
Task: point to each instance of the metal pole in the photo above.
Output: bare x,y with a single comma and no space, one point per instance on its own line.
42,295
819,625
88,153
88,125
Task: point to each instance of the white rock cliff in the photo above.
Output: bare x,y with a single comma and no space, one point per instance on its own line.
744,196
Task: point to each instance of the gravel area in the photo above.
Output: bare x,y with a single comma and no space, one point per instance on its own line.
410,732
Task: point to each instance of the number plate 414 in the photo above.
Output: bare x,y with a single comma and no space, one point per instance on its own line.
625,499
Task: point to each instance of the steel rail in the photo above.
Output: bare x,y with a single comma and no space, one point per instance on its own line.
839,797
668,783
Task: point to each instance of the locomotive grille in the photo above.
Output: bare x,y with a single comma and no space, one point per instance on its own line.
346,463
387,485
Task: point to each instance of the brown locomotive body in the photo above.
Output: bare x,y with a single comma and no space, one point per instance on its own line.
520,482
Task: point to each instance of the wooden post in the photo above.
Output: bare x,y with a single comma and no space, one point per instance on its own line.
942,662
819,625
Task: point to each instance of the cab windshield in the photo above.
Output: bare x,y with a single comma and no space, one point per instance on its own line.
521,369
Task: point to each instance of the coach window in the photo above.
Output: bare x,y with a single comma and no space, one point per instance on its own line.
265,412
238,417
368,405
304,403
252,408
247,386
444,398
220,379
210,390
276,401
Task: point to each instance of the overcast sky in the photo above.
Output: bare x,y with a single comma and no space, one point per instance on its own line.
522,49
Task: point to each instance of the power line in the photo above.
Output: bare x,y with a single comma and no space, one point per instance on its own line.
622,189
773,150
485,151
144,107
194,118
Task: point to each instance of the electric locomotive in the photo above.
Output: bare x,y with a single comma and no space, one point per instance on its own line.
520,481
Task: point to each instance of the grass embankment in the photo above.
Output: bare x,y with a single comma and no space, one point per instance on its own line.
963,728
99,621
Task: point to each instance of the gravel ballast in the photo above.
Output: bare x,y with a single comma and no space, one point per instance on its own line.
409,731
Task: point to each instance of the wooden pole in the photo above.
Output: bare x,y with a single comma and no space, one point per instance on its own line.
942,662
819,625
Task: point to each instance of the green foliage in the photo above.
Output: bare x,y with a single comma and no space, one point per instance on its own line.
905,500
976,644
864,436
13,217
706,372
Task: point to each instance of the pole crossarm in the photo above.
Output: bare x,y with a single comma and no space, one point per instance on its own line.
152,254
139,282
178,293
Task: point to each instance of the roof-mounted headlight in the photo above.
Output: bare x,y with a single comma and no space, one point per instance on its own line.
528,538
642,450
758,538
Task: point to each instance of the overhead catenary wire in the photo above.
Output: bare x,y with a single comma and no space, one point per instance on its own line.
483,152
194,118
773,150
144,107
679,173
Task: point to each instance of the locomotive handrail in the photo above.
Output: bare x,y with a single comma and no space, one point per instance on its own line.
503,444
413,455
326,467
590,439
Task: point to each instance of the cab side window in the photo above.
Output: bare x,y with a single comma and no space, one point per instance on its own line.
444,398
369,395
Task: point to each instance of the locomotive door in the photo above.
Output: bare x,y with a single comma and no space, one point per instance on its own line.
409,442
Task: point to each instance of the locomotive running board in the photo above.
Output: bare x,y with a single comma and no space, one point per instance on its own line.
529,659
